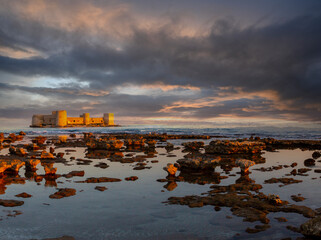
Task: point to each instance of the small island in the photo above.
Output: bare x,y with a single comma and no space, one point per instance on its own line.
59,119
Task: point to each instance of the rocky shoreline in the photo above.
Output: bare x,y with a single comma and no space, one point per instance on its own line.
198,165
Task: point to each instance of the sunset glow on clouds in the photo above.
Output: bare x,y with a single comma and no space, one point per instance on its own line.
162,61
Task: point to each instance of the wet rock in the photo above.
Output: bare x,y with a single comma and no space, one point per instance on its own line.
170,186
297,198
251,214
244,164
303,170
234,147
22,133
60,155
102,165
317,170
316,155
258,228
294,164
72,135
63,138
100,144
17,151
74,174
31,164
192,146
285,181
309,162
101,179
83,162
100,188
61,238
274,199
170,169
154,161
39,140
199,163
49,169
46,155
10,166
281,219
63,192
23,195
11,203
312,228
169,147
132,178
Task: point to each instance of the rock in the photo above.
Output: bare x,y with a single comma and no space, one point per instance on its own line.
60,155
285,181
281,219
193,146
170,186
61,238
234,147
63,192
100,144
199,163
251,214
312,228
297,198
102,165
244,164
31,164
23,195
63,138
11,203
258,228
22,133
169,147
309,162
170,169
10,165
316,155
132,178
74,174
49,169
40,140
294,164
100,188
101,179
46,155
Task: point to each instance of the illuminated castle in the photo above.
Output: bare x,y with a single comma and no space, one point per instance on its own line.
60,119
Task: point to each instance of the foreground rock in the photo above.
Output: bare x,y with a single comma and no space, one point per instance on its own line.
10,165
244,164
170,169
99,180
312,228
11,203
234,147
63,192
23,195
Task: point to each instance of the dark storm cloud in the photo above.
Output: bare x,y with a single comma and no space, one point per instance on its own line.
284,57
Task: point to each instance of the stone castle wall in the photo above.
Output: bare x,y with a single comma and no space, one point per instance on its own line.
60,119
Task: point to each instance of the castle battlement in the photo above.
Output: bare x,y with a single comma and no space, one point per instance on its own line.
59,119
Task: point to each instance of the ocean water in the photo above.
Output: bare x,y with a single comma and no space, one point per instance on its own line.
234,132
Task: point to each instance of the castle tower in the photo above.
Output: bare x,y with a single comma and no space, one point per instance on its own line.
86,117
109,119
37,120
61,118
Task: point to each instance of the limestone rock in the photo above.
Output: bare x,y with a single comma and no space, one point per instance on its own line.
244,164
234,147
46,155
312,228
63,192
170,169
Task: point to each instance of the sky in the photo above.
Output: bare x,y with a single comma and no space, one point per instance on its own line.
162,62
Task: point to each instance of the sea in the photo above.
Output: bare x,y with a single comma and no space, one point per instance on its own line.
313,133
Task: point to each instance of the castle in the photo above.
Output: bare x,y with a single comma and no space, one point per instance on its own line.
59,119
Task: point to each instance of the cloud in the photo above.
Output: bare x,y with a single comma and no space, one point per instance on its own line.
158,65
